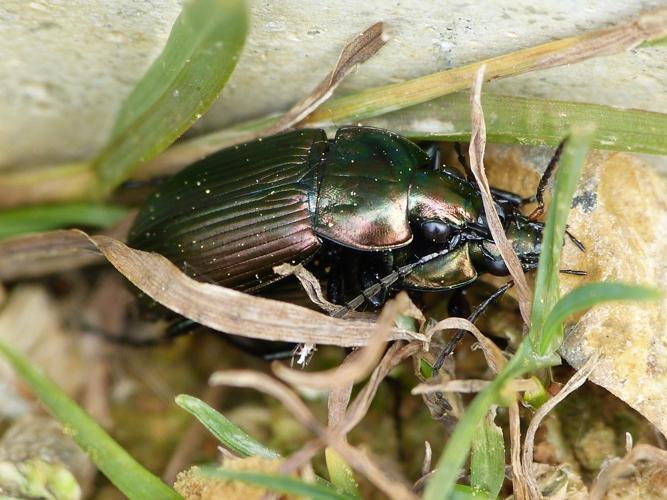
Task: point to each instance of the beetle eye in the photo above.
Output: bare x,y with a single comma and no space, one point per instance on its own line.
436,231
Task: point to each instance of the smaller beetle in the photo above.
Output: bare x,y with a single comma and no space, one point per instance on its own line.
368,200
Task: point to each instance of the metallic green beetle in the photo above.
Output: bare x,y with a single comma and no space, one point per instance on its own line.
368,195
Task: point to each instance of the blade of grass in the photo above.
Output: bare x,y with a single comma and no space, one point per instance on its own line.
546,294
115,463
452,459
182,83
378,100
340,473
487,461
464,492
283,484
546,282
514,120
231,436
588,295
46,217
538,122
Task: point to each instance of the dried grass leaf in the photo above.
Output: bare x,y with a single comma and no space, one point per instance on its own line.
310,284
358,51
476,153
616,469
269,385
493,355
228,310
392,487
359,407
35,254
519,480
573,384
472,386
355,368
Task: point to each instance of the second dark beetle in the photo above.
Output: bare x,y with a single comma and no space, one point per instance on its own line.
368,194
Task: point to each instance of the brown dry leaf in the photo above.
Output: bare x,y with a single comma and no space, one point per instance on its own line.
302,457
359,407
394,488
310,284
355,368
476,153
576,381
358,51
228,310
339,397
615,470
37,254
472,385
493,355
264,383
519,480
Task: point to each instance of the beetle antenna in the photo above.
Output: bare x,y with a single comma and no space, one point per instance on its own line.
462,160
449,348
575,241
384,283
573,272
544,180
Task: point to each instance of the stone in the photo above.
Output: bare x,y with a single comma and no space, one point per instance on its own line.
67,66
620,214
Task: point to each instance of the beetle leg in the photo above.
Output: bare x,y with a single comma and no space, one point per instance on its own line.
142,183
462,160
449,348
506,197
178,328
432,149
385,283
539,194
335,280
573,272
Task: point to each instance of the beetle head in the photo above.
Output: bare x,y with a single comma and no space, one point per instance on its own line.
525,237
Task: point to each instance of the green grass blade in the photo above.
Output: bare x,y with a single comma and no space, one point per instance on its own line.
115,463
45,217
520,120
225,431
487,457
283,484
443,482
464,492
386,98
587,296
514,120
180,85
340,473
546,283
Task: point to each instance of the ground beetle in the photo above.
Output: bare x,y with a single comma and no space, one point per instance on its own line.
379,208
